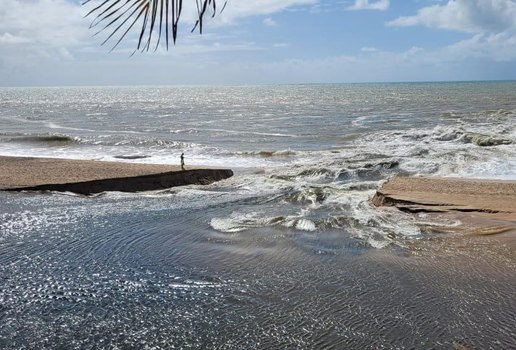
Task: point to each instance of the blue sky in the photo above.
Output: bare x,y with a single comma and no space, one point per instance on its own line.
48,43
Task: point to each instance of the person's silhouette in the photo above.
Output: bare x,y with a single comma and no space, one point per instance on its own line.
182,161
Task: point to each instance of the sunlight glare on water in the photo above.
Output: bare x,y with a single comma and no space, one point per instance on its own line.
288,253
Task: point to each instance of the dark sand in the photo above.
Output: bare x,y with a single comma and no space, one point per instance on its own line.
483,206
87,176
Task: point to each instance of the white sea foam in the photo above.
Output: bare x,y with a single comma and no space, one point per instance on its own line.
307,163
226,225
237,222
305,225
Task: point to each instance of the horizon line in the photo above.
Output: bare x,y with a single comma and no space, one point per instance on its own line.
260,84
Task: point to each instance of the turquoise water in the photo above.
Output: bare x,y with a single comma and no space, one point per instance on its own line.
288,252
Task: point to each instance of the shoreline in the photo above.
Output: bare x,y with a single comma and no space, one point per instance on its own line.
89,176
483,206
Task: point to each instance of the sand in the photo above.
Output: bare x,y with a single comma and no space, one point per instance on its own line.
483,206
88,176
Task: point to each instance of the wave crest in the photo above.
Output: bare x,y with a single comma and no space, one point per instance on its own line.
40,138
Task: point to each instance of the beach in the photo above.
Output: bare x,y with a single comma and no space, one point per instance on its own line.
357,216
89,177
482,206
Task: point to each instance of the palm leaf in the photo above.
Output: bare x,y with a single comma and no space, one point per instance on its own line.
155,16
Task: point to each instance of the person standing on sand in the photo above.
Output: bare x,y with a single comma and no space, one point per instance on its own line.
182,161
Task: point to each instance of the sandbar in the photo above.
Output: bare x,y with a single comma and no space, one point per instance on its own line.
90,176
484,206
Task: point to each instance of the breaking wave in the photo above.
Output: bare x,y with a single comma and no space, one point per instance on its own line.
476,138
38,138
267,154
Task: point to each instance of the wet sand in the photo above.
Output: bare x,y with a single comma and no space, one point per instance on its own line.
88,176
482,206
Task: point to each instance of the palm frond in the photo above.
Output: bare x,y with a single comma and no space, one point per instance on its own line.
156,16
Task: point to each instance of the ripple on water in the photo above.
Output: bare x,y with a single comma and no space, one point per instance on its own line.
145,272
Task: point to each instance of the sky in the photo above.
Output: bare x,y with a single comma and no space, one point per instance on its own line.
49,43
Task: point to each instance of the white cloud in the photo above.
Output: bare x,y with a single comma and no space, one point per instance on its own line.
492,47
381,5
269,22
50,23
493,23
38,35
472,16
500,47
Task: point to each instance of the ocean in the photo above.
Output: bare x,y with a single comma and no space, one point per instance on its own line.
288,253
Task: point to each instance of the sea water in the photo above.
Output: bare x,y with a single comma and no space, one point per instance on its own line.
288,253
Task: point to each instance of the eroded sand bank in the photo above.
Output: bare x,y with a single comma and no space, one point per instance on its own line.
483,206
88,176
